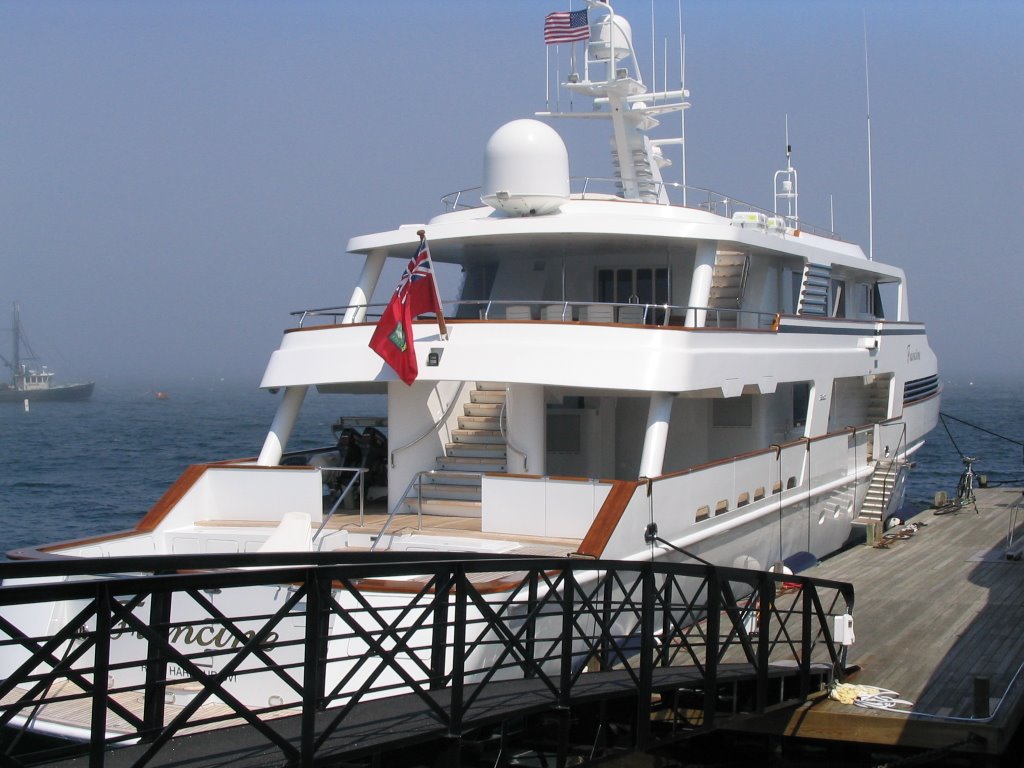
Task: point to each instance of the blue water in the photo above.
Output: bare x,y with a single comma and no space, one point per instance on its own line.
77,469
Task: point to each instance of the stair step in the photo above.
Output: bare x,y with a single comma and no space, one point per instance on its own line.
451,477
478,422
490,386
487,396
492,410
473,463
864,519
449,492
445,507
492,436
483,450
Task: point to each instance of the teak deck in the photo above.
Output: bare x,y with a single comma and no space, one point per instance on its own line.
933,613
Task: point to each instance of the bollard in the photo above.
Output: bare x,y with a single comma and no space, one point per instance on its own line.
871,534
981,695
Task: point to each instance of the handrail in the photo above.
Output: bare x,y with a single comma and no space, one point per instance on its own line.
893,464
502,420
357,472
765,319
418,479
437,425
582,188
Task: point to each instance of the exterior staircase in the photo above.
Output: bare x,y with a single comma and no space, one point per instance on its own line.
454,487
876,501
727,283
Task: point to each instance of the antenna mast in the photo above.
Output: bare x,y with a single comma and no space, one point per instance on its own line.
787,187
682,87
867,91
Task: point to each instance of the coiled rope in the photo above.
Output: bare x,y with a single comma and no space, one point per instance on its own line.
869,697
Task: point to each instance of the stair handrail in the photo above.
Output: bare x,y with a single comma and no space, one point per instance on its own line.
892,467
357,473
434,427
502,420
416,479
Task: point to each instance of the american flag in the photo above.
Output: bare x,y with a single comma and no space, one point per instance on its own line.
566,27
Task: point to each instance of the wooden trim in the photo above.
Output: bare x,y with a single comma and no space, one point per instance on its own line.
152,519
190,477
171,497
607,518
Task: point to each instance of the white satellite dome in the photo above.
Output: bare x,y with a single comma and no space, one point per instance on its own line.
611,37
526,169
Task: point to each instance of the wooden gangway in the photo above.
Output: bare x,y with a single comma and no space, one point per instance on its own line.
940,620
392,652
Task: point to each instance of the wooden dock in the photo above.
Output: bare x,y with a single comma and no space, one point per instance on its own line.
939,618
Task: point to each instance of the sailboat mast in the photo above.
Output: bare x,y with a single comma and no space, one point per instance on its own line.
16,352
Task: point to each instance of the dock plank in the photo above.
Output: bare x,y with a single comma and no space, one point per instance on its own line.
932,613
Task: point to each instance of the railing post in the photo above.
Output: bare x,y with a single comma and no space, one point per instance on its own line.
461,584
100,672
439,630
568,602
764,612
646,694
531,624
667,625
156,665
712,635
314,662
807,615
604,644
565,676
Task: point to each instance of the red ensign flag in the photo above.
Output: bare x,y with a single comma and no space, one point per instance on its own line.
415,295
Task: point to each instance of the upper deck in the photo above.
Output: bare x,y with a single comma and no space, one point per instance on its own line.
592,220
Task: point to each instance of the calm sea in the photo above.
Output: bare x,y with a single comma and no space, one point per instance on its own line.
69,470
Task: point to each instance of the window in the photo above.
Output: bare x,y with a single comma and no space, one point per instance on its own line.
733,412
801,399
644,285
564,432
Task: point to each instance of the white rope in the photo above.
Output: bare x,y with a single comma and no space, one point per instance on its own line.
869,697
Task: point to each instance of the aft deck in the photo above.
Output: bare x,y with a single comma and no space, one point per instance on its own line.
374,520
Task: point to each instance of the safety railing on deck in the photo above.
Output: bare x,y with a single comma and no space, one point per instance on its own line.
356,481
140,649
523,310
610,188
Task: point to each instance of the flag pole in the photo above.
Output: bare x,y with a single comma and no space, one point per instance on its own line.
437,297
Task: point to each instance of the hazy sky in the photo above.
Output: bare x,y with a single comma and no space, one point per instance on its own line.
176,177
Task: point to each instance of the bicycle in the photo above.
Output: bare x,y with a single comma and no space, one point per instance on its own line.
965,486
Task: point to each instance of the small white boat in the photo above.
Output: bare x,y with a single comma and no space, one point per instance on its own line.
627,369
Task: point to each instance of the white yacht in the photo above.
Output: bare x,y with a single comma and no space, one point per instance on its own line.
627,369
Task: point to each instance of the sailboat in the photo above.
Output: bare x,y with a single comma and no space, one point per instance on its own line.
34,385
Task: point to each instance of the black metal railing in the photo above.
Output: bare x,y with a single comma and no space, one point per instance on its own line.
135,651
